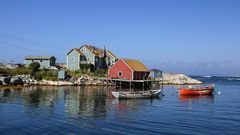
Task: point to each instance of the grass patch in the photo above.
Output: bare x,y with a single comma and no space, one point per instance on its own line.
46,75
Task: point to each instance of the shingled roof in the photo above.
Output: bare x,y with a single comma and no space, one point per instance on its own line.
77,50
99,52
94,50
136,65
39,57
112,54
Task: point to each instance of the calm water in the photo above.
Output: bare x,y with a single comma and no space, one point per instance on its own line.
88,110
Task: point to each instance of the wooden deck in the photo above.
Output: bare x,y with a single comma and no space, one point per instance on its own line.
124,83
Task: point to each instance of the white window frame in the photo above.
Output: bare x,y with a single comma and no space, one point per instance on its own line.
120,72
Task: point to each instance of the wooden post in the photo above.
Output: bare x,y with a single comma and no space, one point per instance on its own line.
130,85
143,81
147,84
143,84
152,84
120,85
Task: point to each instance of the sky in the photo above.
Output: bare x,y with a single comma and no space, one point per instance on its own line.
195,37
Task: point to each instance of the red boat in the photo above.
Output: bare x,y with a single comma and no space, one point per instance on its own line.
208,90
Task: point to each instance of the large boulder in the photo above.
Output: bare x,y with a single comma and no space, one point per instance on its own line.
27,79
179,79
72,79
55,83
5,79
16,81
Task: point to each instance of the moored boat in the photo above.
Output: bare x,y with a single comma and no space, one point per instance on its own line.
208,90
137,94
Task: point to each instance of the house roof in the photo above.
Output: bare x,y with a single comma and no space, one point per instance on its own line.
94,50
39,57
98,52
136,65
112,54
77,50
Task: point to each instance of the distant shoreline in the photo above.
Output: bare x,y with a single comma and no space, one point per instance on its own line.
38,85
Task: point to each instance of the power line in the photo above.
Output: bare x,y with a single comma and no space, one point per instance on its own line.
29,41
24,48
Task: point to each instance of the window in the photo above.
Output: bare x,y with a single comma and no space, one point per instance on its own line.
120,73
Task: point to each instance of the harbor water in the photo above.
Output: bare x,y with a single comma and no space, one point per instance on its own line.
90,110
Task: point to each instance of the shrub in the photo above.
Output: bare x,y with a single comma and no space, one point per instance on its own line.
4,71
19,71
75,74
47,75
34,67
86,68
100,72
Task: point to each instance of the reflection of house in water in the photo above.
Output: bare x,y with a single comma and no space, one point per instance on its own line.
39,97
34,97
74,101
85,102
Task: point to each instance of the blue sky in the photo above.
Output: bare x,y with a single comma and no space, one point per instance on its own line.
196,37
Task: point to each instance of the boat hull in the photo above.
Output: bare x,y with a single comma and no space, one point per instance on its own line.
196,91
138,94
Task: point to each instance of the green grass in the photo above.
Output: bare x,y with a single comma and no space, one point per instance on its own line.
15,71
51,74
47,75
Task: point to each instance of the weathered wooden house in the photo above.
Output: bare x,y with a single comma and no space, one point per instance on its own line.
129,70
156,74
44,61
89,57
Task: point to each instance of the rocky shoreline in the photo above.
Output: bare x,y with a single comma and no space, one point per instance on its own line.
27,80
179,79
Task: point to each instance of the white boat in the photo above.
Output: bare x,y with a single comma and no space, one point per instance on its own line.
137,94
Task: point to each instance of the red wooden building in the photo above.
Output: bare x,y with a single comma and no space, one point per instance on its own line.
128,69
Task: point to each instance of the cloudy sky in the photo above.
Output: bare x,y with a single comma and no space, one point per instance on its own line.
196,37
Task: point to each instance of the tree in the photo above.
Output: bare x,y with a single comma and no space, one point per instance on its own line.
34,67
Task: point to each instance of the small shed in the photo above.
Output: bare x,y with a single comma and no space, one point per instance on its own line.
62,75
156,74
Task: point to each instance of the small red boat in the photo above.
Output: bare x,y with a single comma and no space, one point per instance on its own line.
208,90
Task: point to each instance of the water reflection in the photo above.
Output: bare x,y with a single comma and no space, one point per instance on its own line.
196,98
85,102
74,101
126,104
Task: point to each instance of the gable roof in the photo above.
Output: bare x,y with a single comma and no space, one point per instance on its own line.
39,57
113,55
93,50
135,65
98,52
77,50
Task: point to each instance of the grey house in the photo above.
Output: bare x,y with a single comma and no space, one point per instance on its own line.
44,61
88,56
